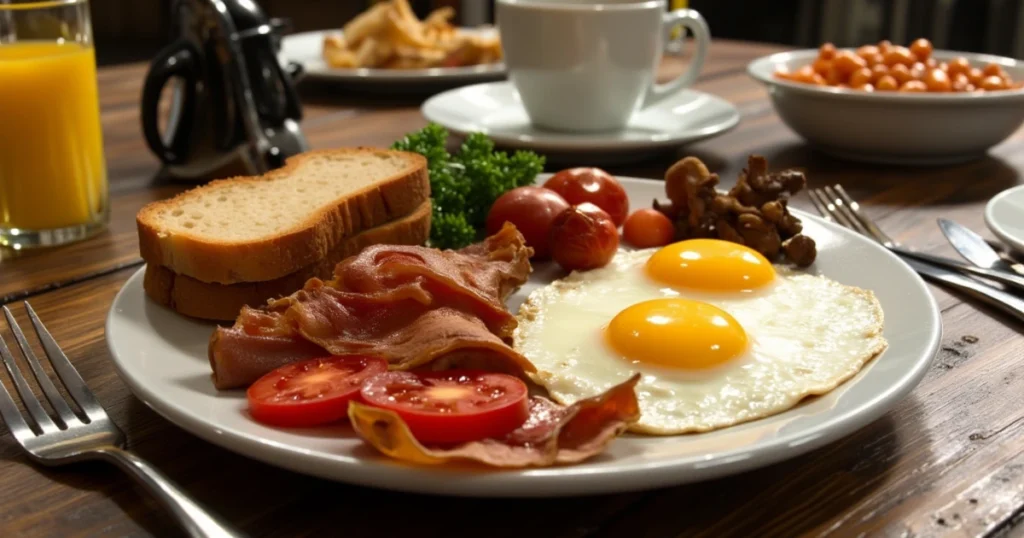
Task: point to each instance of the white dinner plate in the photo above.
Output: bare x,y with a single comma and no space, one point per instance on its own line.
495,109
1004,215
306,49
162,357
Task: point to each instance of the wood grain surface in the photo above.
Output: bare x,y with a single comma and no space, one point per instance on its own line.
946,461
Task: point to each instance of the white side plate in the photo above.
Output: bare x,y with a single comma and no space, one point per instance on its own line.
1004,215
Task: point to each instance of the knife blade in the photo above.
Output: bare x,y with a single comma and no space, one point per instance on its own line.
975,249
1008,278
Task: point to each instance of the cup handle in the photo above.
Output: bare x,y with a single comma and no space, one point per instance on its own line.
701,35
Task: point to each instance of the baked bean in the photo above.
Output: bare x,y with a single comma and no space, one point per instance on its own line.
922,49
901,73
888,67
887,84
914,86
937,81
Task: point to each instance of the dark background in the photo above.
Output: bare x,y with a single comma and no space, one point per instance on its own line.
133,30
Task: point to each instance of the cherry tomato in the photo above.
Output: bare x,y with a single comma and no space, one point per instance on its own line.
583,237
579,185
451,406
311,392
647,228
532,210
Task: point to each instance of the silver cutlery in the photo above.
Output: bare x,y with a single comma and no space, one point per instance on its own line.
836,197
975,249
836,206
69,436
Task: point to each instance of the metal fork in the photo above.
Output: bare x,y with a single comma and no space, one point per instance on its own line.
835,200
71,436
835,205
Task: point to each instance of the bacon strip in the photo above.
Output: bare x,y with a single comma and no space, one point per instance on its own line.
552,435
411,305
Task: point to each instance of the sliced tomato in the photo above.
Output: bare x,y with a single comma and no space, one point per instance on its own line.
311,392
452,406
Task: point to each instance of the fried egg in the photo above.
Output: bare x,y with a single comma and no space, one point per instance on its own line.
719,334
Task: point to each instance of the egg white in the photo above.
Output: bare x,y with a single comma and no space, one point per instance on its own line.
807,334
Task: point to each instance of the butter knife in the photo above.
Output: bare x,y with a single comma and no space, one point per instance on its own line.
1010,279
975,249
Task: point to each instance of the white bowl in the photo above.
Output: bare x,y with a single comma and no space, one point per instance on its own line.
893,127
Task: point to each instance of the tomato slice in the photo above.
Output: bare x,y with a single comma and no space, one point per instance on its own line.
452,406
311,392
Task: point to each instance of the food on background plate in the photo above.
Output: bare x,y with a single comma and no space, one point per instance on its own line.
414,306
753,213
719,334
232,242
888,67
390,36
465,185
583,237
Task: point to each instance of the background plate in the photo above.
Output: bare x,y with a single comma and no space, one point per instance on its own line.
306,48
162,357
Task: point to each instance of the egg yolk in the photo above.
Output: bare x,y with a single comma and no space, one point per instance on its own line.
710,264
676,333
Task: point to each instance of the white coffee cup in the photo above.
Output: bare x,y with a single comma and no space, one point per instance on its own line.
589,66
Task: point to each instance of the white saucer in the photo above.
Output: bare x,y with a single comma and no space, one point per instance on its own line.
1004,215
494,108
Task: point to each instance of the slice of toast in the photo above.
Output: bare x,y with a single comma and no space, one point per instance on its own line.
251,229
222,302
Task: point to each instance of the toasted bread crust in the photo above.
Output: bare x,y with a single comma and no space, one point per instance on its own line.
276,256
222,302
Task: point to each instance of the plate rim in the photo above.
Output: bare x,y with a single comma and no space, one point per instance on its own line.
369,75
543,482
577,146
1017,243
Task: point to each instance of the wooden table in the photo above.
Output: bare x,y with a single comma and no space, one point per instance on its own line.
948,460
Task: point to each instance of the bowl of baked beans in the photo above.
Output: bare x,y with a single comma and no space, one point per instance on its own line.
896,104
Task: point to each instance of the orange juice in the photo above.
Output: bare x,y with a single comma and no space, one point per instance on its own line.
52,173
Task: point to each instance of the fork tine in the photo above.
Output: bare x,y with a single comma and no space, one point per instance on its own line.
830,208
42,420
841,209
56,400
819,203
12,416
67,373
868,223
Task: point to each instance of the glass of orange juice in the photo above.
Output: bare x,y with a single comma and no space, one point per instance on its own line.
53,179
